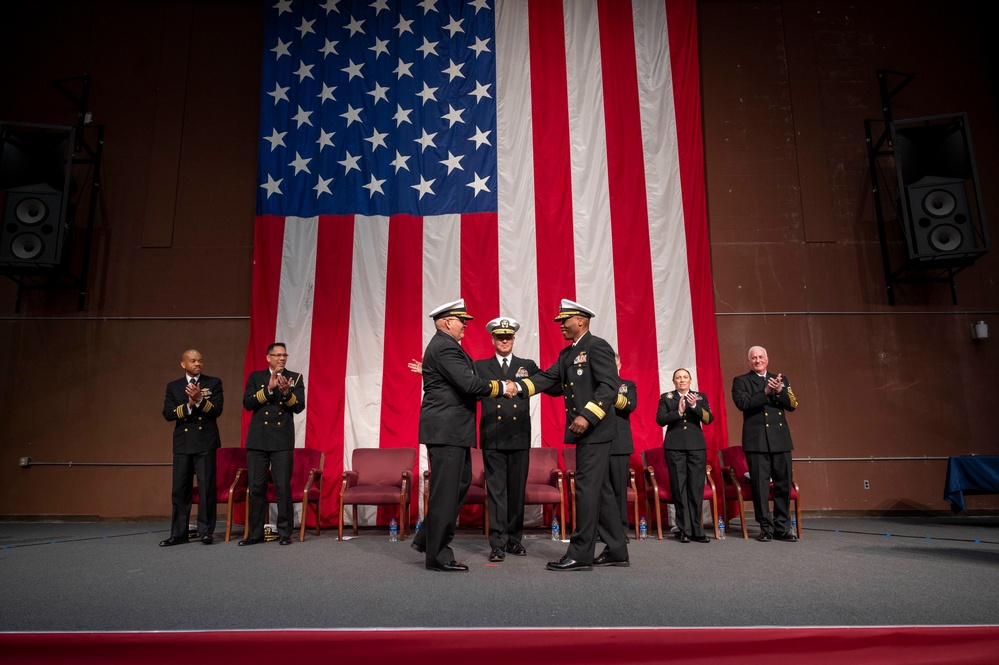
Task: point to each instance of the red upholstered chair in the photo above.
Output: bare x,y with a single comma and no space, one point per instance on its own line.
544,482
306,484
737,488
569,457
657,488
378,477
230,482
477,492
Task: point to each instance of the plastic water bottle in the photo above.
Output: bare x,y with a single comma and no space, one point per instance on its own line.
721,529
419,523
556,534
794,525
643,530
393,531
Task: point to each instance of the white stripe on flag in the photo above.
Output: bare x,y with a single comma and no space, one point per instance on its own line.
591,220
670,282
294,313
365,341
518,261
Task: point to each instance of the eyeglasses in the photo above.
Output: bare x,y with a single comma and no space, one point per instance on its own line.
278,355
458,319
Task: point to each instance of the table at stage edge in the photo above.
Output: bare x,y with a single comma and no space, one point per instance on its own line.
970,474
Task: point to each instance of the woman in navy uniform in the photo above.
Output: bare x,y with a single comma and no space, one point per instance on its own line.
682,412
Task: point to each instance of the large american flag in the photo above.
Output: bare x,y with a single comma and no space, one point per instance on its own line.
510,152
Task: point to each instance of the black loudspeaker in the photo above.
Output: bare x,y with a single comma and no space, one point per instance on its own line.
941,219
938,184
35,178
35,228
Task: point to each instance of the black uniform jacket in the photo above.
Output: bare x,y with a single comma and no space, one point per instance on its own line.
588,377
198,432
450,391
764,426
272,426
683,431
623,443
505,424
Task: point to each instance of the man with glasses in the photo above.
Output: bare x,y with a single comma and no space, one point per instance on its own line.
447,427
274,395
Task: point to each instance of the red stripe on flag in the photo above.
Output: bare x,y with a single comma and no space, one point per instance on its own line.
400,409
268,244
552,192
629,218
480,279
681,23
328,353
480,289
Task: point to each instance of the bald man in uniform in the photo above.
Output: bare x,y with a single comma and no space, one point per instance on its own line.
193,403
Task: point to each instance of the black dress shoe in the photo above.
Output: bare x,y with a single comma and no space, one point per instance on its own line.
681,536
565,563
207,539
787,537
516,550
251,541
285,540
419,548
700,539
453,567
764,537
174,540
496,555
606,560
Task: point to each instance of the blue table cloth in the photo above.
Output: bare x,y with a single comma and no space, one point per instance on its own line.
970,474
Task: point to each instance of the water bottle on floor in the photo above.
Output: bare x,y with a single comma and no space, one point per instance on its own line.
643,529
419,523
721,529
556,534
393,531
794,525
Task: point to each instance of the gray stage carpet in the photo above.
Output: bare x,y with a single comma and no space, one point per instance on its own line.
844,572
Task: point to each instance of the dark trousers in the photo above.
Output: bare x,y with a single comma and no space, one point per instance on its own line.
185,467
686,482
620,477
762,468
596,506
261,465
506,483
450,476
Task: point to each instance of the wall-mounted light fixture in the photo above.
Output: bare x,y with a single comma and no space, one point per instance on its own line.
980,330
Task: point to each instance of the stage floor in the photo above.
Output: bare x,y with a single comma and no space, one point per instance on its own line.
844,572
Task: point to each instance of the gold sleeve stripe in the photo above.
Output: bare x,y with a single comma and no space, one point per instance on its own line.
595,410
706,416
207,407
262,396
790,396
621,402
494,388
292,400
531,390
180,411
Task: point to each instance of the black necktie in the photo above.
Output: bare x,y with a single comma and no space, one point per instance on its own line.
194,381
505,367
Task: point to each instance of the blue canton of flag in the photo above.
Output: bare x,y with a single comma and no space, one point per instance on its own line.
378,108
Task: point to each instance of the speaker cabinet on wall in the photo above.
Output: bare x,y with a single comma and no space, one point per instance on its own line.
35,177
35,229
940,203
